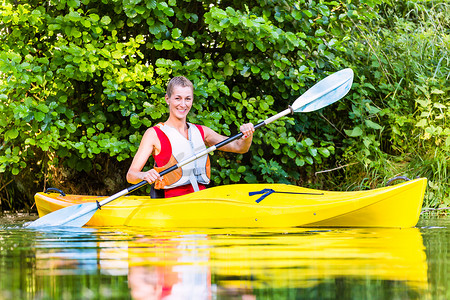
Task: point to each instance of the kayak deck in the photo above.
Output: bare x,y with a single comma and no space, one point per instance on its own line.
257,205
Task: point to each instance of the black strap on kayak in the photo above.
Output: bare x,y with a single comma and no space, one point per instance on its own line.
54,190
267,192
397,178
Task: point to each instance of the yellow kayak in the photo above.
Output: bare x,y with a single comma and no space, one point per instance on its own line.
256,205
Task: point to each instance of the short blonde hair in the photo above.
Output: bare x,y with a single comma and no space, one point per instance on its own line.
178,81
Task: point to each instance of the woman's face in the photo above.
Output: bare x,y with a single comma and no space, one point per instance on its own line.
180,102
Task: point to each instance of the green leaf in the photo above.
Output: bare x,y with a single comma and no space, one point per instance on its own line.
228,70
167,45
437,92
422,123
15,171
190,41
255,69
308,142
117,54
222,162
103,64
263,105
74,16
176,33
60,124
43,107
12,134
105,20
73,3
308,13
324,152
100,126
235,177
320,32
312,151
140,9
71,128
373,125
355,132
29,141
237,95
292,154
39,116
250,178
440,105
151,4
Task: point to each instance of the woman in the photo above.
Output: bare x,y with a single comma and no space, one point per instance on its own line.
175,140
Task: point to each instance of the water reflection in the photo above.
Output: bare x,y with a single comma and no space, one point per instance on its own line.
170,267
202,263
245,261
216,263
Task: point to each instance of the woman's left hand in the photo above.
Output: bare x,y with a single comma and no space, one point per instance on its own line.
247,130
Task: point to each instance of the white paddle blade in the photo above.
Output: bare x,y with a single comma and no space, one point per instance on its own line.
325,92
71,216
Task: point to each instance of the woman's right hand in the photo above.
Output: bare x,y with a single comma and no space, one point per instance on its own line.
150,176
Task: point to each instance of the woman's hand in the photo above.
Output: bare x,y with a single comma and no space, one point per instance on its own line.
150,176
247,130
241,145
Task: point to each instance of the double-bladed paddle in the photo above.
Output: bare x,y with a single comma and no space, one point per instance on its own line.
323,93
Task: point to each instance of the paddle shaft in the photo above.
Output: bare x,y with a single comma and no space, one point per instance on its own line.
194,157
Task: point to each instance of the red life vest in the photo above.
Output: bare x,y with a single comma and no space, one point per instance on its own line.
174,148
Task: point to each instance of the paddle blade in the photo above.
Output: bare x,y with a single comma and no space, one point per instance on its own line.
325,92
71,216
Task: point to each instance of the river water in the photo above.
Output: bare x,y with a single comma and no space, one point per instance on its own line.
286,263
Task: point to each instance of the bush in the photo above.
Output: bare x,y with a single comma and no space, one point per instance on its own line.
400,109
81,80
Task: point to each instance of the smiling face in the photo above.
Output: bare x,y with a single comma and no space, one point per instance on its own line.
180,101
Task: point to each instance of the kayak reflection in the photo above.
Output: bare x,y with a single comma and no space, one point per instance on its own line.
248,263
242,262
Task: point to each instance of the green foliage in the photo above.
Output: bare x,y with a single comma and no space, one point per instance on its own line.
81,81
400,104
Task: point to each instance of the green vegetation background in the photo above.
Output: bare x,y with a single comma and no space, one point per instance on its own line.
81,81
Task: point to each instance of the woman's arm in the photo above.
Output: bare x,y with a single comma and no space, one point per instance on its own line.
241,145
149,143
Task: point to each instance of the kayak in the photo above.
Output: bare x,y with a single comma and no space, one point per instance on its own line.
256,205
